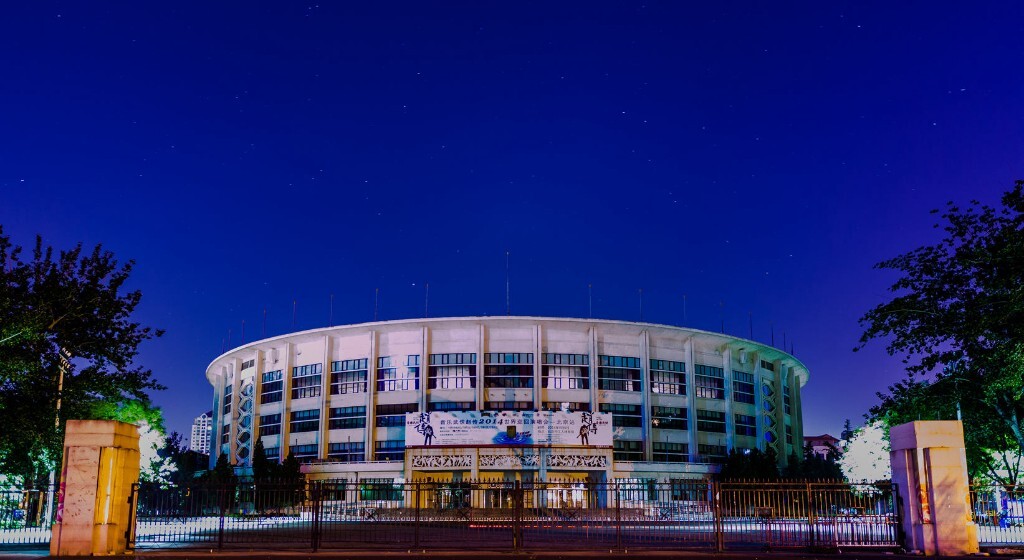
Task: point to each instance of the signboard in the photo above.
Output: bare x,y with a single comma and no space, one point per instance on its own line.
446,429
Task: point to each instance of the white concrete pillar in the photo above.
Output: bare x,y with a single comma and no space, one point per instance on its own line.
929,468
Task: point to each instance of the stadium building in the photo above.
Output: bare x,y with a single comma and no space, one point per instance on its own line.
512,398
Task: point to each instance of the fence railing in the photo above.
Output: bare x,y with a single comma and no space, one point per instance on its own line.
998,511
26,515
514,515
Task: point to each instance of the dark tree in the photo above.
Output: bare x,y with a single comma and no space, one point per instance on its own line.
749,464
958,314
67,334
815,467
191,464
262,468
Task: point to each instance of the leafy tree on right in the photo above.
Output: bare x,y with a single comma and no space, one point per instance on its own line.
957,316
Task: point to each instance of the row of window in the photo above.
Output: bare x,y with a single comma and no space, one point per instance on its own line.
623,415
394,450
667,377
666,452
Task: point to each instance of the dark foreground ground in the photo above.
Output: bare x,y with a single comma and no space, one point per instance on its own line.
35,554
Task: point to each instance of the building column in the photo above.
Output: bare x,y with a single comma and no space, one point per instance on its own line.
730,418
286,401
592,351
798,417
325,399
479,366
538,364
691,396
371,397
424,367
235,371
257,390
755,358
645,397
780,415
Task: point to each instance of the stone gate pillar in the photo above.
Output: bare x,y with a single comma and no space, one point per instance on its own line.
929,467
101,462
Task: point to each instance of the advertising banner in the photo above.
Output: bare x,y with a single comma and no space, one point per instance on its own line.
445,429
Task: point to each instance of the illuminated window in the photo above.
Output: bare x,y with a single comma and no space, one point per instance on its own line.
624,415
270,424
391,415
566,371
347,452
711,421
271,387
305,453
304,421
347,417
508,371
668,378
709,382
746,425
668,418
743,387
668,452
618,373
348,376
391,377
452,371
389,450
628,450
711,453
306,381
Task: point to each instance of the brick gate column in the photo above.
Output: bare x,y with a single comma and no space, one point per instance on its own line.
101,462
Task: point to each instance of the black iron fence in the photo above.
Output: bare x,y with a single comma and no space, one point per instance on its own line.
998,511
26,515
512,515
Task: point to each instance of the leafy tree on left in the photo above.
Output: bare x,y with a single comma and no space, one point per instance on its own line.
72,302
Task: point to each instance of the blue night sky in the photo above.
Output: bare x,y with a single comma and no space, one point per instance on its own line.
757,158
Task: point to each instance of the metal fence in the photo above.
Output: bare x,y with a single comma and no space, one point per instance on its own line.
26,515
998,511
507,515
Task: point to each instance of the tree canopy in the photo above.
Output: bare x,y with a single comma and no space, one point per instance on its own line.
957,316
66,307
749,464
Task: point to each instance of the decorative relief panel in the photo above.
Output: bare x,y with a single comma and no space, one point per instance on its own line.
510,461
441,461
582,461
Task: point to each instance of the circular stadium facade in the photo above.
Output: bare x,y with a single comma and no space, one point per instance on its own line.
513,398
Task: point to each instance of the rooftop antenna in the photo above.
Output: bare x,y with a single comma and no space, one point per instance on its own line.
721,314
773,333
590,301
330,316
229,337
426,300
295,304
264,321
641,290
243,331
223,346
784,341
508,301
750,320
684,309
376,302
